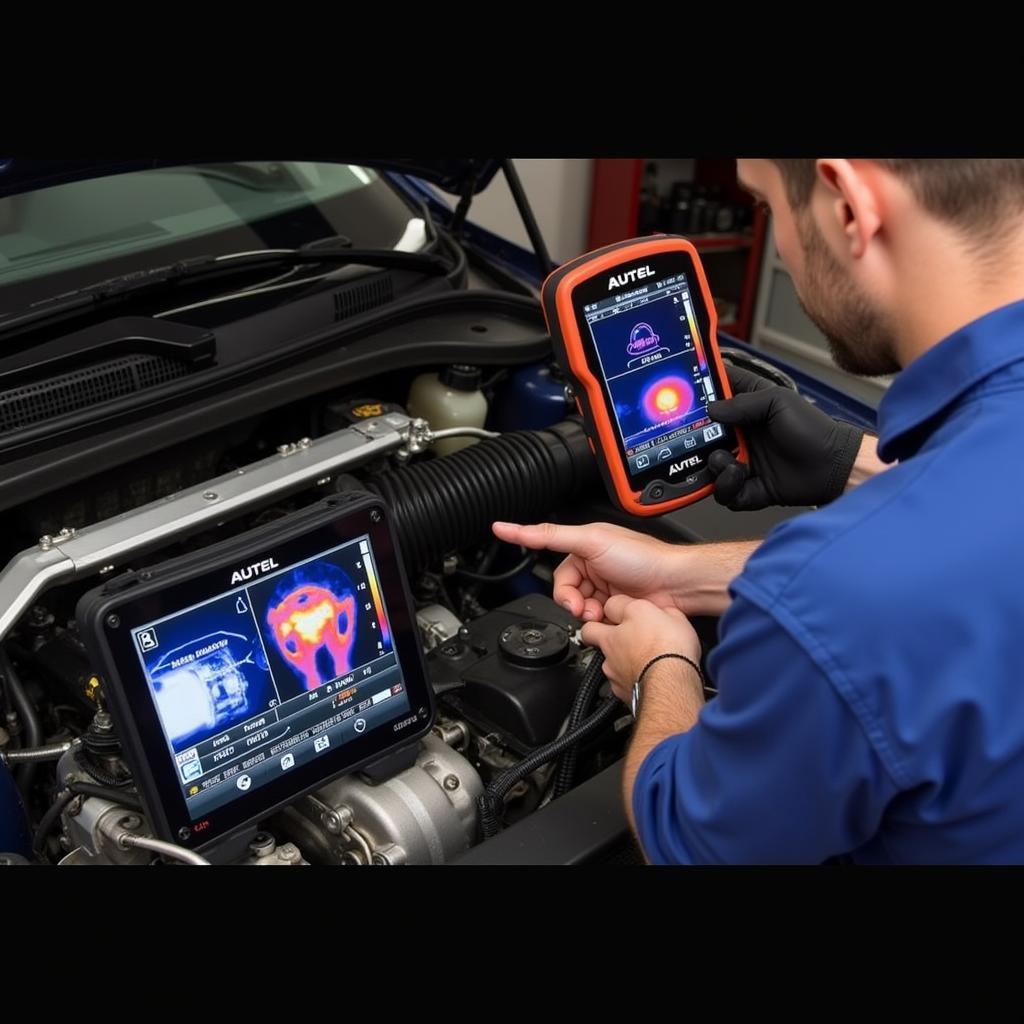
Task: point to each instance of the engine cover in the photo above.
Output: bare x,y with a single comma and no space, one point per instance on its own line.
513,670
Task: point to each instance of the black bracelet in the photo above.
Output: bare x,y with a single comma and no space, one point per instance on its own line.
681,657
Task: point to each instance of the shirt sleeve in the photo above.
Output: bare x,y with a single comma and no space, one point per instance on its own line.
778,769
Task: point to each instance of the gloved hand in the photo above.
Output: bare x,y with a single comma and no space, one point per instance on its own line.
798,455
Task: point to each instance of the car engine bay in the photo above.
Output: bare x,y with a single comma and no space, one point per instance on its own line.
163,445
505,663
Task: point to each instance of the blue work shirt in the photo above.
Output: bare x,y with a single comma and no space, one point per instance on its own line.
871,665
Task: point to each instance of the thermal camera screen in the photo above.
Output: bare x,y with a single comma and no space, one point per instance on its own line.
290,661
656,369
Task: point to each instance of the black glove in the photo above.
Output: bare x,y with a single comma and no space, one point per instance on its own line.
798,455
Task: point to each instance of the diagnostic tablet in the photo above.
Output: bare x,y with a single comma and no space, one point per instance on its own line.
249,673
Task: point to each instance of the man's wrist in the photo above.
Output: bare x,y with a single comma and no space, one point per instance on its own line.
671,701
704,572
672,683
867,463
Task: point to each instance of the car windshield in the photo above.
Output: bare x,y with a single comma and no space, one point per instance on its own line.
67,236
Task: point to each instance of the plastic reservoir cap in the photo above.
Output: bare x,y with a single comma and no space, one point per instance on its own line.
461,377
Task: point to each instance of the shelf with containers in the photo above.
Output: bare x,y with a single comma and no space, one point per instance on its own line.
699,199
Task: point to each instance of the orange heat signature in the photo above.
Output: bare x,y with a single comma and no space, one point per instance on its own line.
667,399
306,621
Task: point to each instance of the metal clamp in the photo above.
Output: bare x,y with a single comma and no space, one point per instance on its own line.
419,437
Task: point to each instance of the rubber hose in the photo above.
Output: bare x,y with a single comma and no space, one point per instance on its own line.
24,773
47,821
447,503
490,803
115,796
593,680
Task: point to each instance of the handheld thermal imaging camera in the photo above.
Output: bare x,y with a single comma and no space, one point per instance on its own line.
634,329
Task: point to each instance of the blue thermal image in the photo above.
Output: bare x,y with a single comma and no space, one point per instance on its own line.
202,690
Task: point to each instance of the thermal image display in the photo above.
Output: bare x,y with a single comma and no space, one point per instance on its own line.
308,620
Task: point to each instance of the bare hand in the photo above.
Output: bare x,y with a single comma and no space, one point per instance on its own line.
634,631
604,560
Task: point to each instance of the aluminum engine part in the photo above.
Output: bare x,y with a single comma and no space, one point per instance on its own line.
264,851
90,832
437,624
424,815
90,821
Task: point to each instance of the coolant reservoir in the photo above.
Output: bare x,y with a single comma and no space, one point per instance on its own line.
450,399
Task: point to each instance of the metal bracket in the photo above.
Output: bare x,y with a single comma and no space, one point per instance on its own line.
105,545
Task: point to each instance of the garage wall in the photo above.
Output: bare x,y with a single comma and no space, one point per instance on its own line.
559,193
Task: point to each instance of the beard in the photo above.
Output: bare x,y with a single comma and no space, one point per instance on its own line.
860,338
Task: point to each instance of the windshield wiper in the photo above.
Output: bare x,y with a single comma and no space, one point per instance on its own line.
336,249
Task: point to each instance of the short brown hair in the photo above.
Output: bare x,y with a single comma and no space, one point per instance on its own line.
972,194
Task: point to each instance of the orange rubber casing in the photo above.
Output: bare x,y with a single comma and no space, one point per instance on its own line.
560,316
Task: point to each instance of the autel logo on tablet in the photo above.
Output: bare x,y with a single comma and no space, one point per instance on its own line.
241,575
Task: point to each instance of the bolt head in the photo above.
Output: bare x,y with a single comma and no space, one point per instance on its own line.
262,844
113,621
451,782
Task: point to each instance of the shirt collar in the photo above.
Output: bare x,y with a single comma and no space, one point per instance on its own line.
945,372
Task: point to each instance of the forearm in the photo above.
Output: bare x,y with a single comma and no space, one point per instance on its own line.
867,464
703,572
670,703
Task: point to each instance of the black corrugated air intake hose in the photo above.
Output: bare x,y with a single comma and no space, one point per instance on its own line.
443,504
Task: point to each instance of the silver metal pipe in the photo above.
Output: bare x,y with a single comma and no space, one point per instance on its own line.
127,840
360,840
53,752
440,435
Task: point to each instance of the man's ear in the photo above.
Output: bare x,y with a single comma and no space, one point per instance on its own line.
856,202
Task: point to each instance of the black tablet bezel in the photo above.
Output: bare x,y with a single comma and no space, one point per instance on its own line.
109,614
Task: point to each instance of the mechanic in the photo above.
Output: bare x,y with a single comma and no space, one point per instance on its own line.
870,667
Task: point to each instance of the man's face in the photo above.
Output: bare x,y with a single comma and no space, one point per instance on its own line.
858,332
